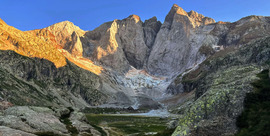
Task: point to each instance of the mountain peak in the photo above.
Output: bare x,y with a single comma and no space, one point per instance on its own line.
178,10
195,18
135,17
175,10
66,23
64,26
153,19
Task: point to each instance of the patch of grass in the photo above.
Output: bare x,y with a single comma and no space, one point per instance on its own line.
99,129
166,132
206,50
46,134
255,119
137,125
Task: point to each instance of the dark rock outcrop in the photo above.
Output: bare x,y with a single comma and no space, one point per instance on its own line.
151,28
46,84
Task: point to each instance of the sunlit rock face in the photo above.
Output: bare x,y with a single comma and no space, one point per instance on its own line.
105,47
121,43
68,36
31,44
177,42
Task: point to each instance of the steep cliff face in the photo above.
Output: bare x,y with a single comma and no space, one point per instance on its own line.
67,35
121,43
131,37
107,49
177,43
151,28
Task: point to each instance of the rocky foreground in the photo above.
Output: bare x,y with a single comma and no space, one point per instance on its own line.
30,121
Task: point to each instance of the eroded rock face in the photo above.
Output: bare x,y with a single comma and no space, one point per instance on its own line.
177,43
131,35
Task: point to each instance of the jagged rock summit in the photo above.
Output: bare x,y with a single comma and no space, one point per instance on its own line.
175,48
68,36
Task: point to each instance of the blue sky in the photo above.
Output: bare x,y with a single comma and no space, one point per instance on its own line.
89,14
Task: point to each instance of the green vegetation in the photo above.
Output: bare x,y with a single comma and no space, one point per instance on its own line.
206,50
125,125
255,119
166,132
46,134
102,132
65,119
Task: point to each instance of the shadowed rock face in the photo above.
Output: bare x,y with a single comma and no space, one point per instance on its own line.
151,28
175,48
28,81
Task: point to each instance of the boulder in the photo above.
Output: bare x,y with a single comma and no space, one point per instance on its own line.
6,131
79,121
33,120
